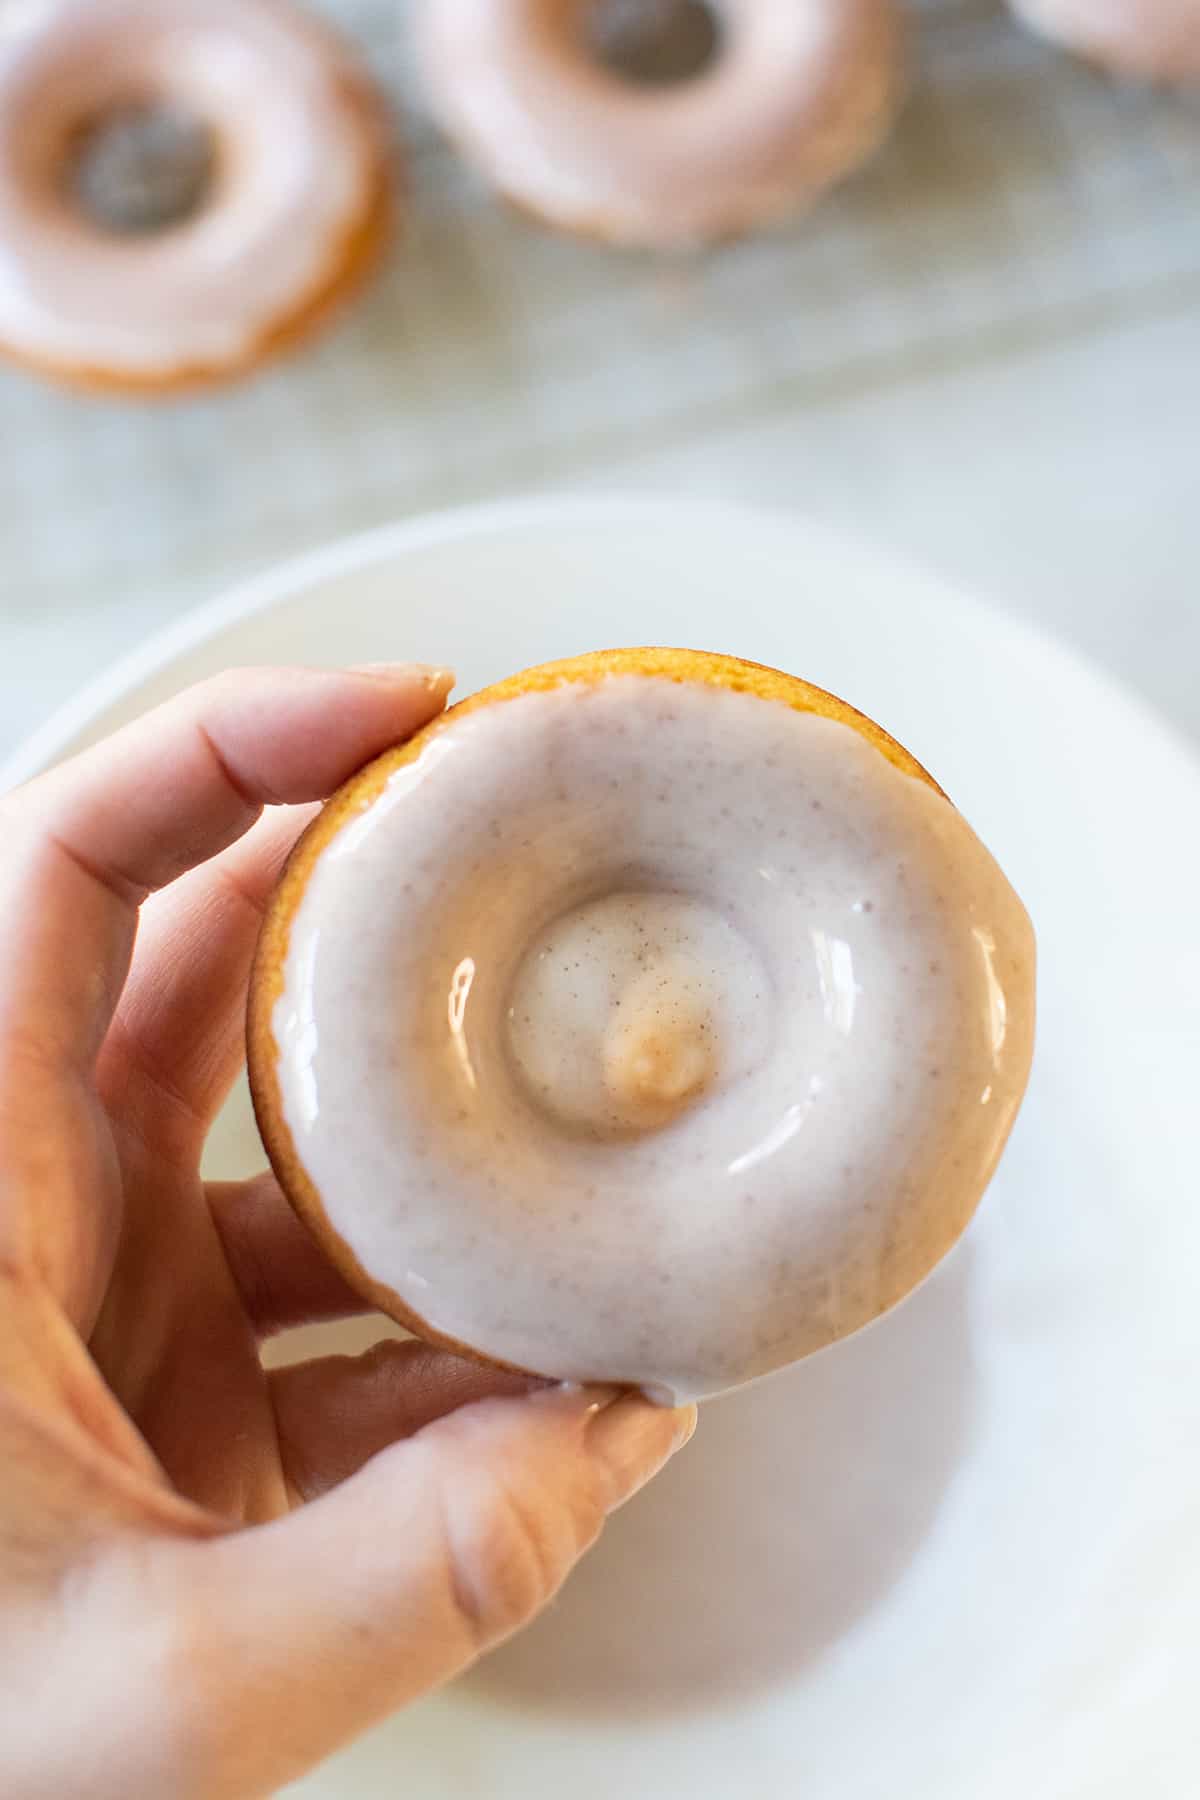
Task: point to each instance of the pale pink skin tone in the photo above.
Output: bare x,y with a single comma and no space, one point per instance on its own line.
212,1576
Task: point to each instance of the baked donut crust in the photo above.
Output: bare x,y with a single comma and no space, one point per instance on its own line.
356,796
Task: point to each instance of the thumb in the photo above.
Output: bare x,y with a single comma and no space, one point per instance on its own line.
304,1632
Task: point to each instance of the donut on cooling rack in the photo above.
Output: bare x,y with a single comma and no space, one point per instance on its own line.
1148,40
185,185
567,107
652,1017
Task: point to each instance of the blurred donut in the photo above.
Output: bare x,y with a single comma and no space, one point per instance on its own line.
185,186
792,98
1148,40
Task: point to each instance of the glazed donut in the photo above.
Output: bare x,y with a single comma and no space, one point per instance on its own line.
1150,40
276,154
794,98
651,1017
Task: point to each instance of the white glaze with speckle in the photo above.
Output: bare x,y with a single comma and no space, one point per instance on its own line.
789,994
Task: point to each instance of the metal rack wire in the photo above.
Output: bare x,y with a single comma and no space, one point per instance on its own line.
1022,196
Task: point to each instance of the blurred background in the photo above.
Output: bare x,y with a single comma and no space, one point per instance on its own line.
982,350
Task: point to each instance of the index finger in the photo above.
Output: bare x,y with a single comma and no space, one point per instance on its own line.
81,847
86,843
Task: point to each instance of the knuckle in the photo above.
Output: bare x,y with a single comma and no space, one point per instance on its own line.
508,1549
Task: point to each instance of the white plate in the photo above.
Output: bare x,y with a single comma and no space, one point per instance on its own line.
958,1557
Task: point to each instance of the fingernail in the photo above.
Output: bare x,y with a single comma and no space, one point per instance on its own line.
690,1420
633,1439
436,679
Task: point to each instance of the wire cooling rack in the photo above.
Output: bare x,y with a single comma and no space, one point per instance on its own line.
1022,197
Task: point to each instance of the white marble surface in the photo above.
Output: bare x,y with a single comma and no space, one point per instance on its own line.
985,352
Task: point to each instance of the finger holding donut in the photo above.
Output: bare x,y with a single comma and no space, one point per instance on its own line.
185,186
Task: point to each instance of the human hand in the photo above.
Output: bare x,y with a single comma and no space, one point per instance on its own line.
174,1620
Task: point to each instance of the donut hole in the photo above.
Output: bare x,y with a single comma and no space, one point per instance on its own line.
141,168
631,1009
653,43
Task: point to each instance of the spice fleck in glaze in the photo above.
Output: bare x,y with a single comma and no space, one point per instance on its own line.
645,1030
